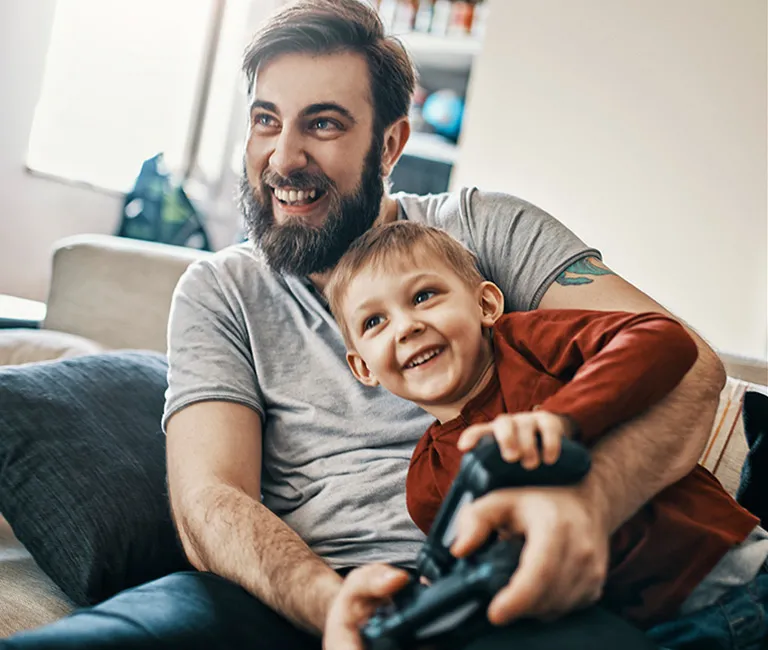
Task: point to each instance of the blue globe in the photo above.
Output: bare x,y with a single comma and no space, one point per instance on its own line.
443,111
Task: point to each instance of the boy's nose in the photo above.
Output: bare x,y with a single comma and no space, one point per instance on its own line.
408,327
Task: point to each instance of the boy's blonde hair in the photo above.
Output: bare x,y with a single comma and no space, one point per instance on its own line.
385,247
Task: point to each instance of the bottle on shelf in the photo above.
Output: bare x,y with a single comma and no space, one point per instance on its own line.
424,12
441,17
405,16
462,13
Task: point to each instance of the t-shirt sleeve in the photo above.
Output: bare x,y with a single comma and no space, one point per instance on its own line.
209,352
520,247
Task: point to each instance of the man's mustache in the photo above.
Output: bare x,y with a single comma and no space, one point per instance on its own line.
300,180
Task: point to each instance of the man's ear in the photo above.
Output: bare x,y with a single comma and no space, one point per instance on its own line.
360,370
395,137
491,301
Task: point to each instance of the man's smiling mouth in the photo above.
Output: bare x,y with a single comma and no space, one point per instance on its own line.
422,358
293,197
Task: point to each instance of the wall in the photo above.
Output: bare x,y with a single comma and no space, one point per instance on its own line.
34,212
642,125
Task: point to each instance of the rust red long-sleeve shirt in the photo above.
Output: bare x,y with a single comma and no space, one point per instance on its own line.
600,369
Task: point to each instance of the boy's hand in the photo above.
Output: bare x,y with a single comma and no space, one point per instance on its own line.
364,589
517,435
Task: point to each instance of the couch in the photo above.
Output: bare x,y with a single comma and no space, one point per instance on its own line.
109,293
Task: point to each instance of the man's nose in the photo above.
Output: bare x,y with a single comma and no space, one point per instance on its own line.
288,154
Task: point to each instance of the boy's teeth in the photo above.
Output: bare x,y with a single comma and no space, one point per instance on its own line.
422,358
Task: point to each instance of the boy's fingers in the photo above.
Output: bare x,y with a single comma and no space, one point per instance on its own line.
472,435
551,445
527,436
506,434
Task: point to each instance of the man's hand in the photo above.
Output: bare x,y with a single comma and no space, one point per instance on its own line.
364,589
564,562
518,434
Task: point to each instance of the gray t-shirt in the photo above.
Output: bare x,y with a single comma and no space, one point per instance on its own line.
335,452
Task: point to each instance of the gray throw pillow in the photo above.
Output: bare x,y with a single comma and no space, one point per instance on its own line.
82,471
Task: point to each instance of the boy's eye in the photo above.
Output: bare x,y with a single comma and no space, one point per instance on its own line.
371,322
423,296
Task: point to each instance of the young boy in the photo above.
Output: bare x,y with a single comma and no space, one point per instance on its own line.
419,320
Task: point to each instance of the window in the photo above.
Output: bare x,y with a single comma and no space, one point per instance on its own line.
126,79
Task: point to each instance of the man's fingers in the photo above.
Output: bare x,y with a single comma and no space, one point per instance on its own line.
530,582
363,590
374,581
477,520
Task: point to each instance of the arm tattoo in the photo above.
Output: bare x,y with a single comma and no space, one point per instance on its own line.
575,273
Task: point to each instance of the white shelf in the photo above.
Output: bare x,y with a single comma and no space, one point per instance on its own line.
21,308
441,51
431,147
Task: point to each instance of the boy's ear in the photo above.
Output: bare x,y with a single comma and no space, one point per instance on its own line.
360,370
491,303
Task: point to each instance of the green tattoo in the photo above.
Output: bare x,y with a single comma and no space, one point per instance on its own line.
581,268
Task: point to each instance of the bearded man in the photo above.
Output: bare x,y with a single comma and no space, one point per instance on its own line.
284,472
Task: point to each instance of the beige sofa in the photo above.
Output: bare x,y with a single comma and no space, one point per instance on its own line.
111,293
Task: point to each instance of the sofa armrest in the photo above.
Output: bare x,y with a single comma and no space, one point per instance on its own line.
727,446
114,290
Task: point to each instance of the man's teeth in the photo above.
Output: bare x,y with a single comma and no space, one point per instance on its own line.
294,196
423,358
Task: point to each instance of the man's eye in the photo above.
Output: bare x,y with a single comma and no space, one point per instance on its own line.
262,119
423,296
325,124
371,322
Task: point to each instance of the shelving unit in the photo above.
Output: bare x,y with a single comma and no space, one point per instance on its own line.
431,147
442,62
443,52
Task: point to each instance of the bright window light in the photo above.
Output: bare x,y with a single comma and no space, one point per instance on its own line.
120,86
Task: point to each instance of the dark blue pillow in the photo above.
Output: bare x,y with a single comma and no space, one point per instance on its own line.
82,471
753,488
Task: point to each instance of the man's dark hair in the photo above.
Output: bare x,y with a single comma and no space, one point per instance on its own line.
334,26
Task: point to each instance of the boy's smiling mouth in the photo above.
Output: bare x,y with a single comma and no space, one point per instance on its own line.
425,356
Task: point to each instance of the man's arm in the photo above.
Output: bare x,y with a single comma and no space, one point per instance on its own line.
214,477
652,451
564,562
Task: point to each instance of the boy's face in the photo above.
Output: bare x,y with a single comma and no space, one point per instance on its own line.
417,329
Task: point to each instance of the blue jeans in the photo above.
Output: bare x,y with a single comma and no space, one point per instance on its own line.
737,621
201,611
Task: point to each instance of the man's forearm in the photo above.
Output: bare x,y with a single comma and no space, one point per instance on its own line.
645,455
228,533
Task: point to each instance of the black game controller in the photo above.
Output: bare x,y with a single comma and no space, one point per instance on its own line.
460,587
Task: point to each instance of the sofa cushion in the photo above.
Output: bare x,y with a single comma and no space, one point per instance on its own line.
18,346
28,598
82,470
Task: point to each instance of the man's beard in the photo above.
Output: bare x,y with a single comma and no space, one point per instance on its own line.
300,248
